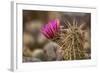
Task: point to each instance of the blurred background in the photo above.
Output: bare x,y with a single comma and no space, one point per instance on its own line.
36,47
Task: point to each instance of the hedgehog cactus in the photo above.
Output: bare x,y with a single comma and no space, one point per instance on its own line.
70,41
73,44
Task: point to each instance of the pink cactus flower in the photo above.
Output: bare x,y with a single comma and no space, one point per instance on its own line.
50,30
